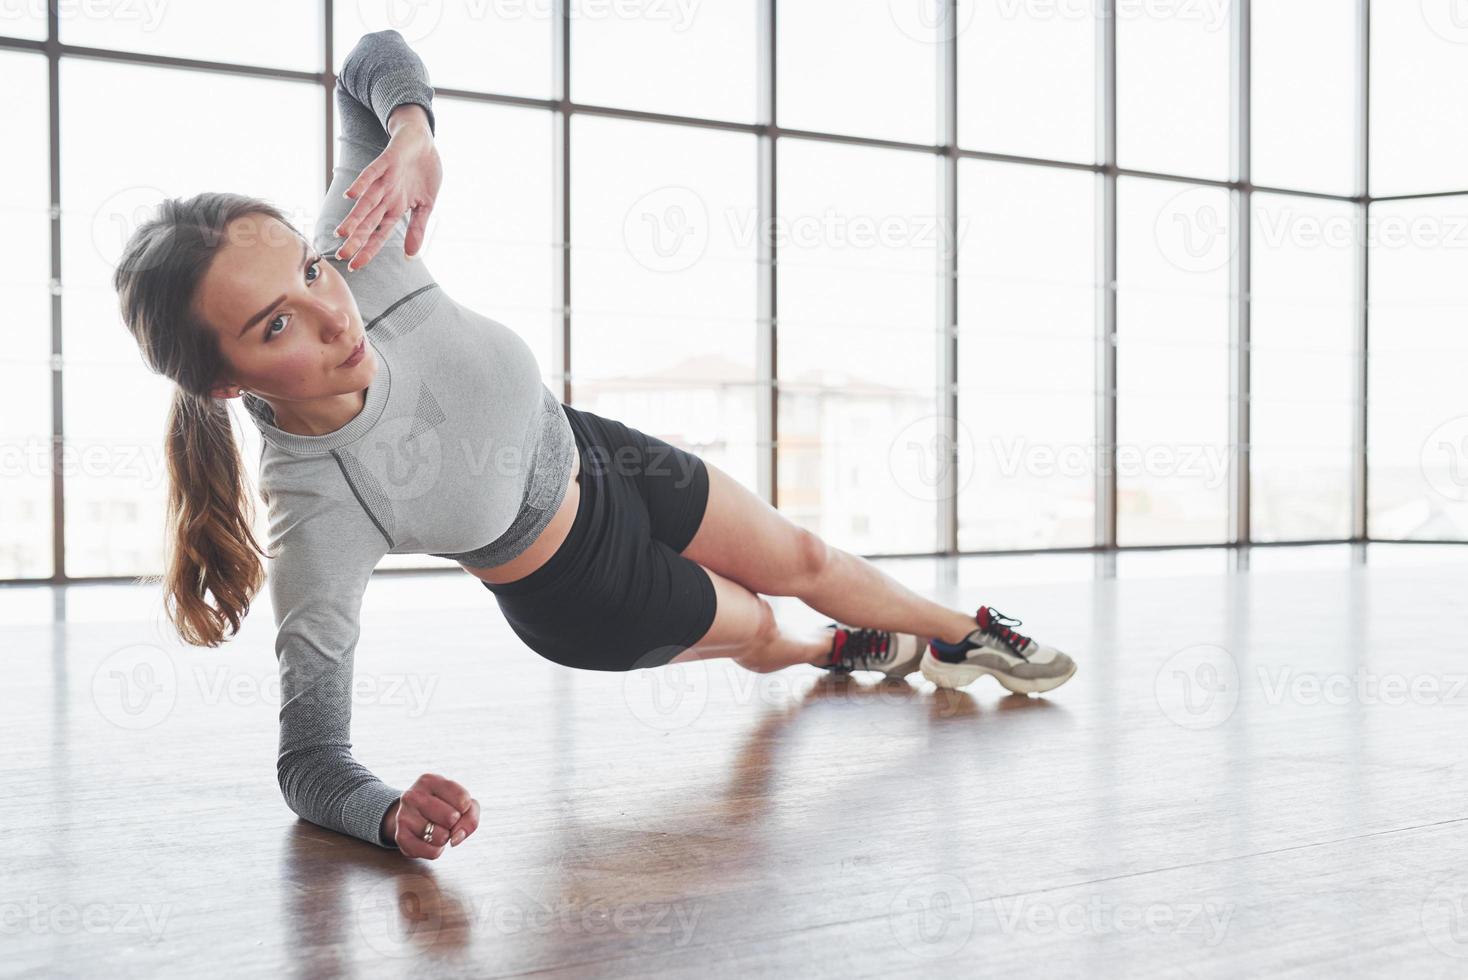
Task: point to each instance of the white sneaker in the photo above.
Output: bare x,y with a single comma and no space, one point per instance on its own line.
1018,662
852,648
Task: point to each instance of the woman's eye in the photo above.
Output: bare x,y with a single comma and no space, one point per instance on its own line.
315,263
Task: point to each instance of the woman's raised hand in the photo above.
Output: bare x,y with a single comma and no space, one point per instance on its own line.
405,177
453,812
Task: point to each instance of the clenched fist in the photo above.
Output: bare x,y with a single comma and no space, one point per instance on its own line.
431,799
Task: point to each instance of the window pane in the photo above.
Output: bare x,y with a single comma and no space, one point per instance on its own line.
663,267
1026,353
25,364
1026,79
26,20
1172,79
863,67
1418,418
1173,249
856,465
115,409
1302,366
677,58
706,415
858,246
503,48
1304,83
490,236
273,33
1419,118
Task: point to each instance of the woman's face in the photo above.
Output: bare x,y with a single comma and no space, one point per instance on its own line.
285,318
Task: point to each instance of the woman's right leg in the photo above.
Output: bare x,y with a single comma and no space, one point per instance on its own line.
744,629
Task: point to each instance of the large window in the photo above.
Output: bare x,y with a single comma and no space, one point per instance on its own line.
25,364
802,234
662,283
1418,413
1026,356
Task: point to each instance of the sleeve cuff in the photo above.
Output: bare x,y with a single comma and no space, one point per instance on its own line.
363,812
391,91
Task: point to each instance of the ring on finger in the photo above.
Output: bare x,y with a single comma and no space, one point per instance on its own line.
428,832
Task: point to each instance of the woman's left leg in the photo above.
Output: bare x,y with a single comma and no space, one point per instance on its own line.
745,539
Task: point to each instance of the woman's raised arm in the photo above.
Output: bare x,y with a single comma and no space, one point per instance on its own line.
387,158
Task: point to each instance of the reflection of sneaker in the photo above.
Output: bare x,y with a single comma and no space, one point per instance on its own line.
1018,662
894,654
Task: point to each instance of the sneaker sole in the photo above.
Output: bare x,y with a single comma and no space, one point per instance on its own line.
961,675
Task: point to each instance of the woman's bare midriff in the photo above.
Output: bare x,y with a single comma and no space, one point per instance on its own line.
546,543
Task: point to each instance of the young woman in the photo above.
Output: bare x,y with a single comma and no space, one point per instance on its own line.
396,421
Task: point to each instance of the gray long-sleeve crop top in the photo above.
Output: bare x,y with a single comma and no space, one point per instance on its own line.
461,452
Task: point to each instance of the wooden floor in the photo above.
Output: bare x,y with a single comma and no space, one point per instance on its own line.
1259,767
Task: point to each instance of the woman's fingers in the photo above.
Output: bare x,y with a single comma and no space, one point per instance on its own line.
450,792
411,841
430,806
468,823
368,198
417,229
389,220
354,249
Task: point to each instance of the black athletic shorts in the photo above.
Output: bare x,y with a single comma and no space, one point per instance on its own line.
617,594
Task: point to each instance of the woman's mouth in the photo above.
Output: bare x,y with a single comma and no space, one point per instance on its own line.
357,353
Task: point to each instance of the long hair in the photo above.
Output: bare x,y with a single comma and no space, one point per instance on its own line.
211,548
